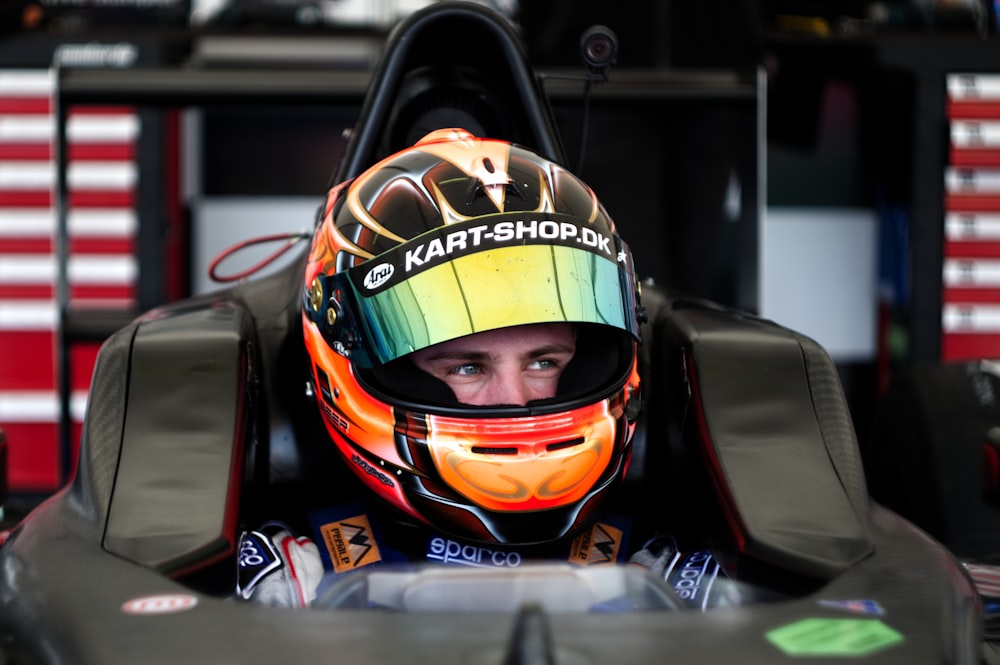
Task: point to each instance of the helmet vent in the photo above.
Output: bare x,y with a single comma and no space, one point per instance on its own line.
494,450
552,447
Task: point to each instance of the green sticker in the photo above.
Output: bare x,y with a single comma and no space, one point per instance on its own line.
834,637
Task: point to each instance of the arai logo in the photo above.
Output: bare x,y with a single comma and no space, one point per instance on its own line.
379,275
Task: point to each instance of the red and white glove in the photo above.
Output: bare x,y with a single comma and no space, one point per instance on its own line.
277,568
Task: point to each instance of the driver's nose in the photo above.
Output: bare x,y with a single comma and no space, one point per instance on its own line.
506,387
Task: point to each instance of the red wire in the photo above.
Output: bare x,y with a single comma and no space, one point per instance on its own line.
291,238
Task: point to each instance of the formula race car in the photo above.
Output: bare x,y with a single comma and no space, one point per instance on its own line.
196,418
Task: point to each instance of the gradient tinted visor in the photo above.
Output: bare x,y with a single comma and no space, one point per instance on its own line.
475,276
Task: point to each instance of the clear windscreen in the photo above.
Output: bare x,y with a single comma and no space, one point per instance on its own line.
557,588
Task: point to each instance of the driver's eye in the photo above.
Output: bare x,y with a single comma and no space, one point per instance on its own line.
469,369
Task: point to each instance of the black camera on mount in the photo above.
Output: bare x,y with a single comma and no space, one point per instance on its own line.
599,48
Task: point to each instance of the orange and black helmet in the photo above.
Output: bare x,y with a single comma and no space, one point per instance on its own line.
454,236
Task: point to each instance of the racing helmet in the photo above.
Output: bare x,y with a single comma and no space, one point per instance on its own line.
453,236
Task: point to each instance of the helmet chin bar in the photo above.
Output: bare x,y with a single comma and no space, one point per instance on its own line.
452,514
441,502
517,528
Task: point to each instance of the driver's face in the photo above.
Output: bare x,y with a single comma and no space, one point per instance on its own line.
507,366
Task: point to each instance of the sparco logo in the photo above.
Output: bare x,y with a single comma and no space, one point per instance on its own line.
445,550
688,580
379,275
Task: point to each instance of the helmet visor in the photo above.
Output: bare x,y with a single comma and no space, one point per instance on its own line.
475,276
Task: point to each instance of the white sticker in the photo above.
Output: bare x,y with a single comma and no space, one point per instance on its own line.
168,603
378,275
